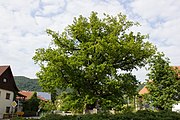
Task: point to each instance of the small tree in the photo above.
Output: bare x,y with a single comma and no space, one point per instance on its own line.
164,88
32,104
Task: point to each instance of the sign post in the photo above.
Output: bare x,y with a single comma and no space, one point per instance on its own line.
13,104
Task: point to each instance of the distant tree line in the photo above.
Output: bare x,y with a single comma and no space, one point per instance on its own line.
24,83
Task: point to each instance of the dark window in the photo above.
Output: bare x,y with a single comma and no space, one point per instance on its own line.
8,96
7,109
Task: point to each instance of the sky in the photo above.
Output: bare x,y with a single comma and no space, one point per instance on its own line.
23,24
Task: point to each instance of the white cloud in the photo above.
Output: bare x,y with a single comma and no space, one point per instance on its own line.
47,8
161,20
23,25
153,9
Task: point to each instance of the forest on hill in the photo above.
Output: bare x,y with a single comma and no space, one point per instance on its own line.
24,83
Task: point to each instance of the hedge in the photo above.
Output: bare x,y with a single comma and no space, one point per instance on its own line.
139,115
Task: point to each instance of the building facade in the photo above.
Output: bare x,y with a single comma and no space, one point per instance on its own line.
6,98
8,90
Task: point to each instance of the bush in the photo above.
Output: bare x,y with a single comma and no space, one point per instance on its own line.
139,115
57,117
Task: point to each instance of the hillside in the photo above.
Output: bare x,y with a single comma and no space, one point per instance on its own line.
24,83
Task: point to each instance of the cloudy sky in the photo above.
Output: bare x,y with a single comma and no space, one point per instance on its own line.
23,24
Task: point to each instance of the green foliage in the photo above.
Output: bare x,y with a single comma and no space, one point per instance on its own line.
69,102
140,115
18,118
24,83
47,105
140,86
87,56
164,88
127,109
31,105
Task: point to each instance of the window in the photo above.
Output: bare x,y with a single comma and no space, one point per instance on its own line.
7,109
8,96
4,80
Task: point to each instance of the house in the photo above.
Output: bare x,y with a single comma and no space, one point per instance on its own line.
140,104
44,96
8,90
31,103
40,95
143,91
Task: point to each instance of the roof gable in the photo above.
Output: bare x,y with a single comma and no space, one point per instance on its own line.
144,90
40,95
3,69
7,80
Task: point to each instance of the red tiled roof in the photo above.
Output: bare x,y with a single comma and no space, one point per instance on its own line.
28,94
41,98
144,90
178,67
2,69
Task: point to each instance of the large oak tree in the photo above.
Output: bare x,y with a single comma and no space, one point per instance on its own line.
87,56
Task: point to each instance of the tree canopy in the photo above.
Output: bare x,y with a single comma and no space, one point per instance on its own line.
164,86
87,56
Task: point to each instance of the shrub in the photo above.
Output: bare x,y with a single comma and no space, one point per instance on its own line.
57,117
139,115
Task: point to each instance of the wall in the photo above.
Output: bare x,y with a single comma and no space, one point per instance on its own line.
176,107
5,102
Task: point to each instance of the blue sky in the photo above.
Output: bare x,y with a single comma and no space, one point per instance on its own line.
23,24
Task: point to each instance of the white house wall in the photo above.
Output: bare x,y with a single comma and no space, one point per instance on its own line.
5,102
176,107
